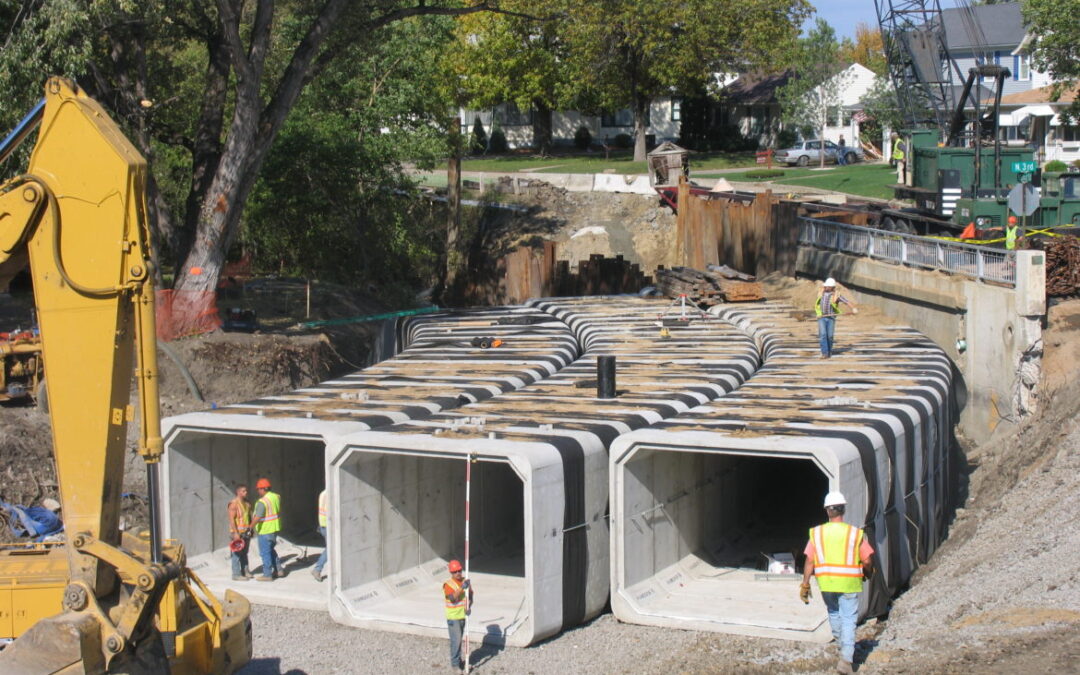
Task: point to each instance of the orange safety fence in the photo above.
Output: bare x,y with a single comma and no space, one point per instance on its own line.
183,313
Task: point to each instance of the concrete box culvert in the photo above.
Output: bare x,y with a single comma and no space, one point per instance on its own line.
539,541
284,437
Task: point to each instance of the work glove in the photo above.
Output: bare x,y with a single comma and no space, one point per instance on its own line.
465,584
854,310
804,593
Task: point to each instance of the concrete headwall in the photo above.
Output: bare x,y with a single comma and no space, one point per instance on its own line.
992,333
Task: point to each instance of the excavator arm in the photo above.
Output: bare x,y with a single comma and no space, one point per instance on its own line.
78,218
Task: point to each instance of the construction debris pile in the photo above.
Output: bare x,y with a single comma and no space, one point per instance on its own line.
1063,267
718,284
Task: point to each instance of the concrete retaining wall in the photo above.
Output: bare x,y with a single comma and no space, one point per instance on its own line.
697,501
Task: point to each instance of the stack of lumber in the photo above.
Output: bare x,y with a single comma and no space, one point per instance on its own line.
708,288
1063,267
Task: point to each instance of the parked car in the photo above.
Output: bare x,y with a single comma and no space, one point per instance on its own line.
805,153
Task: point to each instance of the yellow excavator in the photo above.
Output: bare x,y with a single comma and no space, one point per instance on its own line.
105,600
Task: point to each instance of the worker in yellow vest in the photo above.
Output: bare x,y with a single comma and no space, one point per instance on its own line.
267,523
1011,232
899,157
827,308
239,533
459,598
323,522
839,556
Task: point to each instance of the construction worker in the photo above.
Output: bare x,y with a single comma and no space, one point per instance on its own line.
323,521
899,156
459,598
239,533
827,308
1011,232
839,556
267,523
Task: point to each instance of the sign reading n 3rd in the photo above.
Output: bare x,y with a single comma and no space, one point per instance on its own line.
1023,167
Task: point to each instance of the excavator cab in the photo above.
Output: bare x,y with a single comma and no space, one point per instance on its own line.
106,601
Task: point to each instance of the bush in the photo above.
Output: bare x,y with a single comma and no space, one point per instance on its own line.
478,142
1076,163
786,138
498,143
623,141
764,173
582,138
1056,166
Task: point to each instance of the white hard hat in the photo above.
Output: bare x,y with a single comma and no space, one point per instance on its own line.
830,282
835,498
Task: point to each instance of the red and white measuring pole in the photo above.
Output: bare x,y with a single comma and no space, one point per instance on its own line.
468,592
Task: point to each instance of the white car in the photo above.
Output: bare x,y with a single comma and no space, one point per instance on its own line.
805,153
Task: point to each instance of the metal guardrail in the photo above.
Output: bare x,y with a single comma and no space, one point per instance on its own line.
978,262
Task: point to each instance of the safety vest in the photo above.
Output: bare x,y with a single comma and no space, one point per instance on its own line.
322,509
898,149
834,302
836,557
1010,237
271,521
240,513
454,610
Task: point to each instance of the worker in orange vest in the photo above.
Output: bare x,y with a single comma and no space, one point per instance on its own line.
324,521
240,533
839,556
457,592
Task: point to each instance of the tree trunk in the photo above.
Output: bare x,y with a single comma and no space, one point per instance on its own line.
454,258
641,127
821,138
542,127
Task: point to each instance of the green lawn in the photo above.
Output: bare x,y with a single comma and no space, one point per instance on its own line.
865,180
620,161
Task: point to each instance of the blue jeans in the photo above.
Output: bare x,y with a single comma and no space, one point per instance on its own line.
826,328
268,553
240,561
841,160
456,627
843,612
321,562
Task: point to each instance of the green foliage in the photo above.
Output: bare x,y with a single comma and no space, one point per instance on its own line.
1056,46
786,138
764,173
478,142
582,138
1055,166
623,141
816,82
498,143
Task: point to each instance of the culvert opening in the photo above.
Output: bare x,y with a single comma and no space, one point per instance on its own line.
696,531
202,472
403,518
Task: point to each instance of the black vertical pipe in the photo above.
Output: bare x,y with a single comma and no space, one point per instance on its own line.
153,487
605,376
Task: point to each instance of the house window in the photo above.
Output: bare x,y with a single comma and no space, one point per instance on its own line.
676,111
509,115
1071,133
621,118
1021,67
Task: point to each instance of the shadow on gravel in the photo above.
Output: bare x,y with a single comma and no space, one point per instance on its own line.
488,650
267,667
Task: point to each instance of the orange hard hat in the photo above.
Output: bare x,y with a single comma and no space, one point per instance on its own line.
1012,220
236,545
263,484
454,566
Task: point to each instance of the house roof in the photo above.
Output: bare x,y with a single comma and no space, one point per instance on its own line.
1001,24
1040,95
755,88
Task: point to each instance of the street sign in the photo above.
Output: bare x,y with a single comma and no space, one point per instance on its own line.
1024,167
1024,178
1023,200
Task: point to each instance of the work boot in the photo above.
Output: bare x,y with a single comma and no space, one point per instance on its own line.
266,578
844,667
280,574
239,577
249,574
317,574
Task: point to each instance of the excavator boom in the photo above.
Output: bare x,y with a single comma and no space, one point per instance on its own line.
78,216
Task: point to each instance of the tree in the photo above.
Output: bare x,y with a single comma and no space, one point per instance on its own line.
1055,48
516,58
867,49
812,94
626,53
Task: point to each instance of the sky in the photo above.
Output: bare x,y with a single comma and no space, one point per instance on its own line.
844,15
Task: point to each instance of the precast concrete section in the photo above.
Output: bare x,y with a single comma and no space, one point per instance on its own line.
539,532
284,438
700,502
